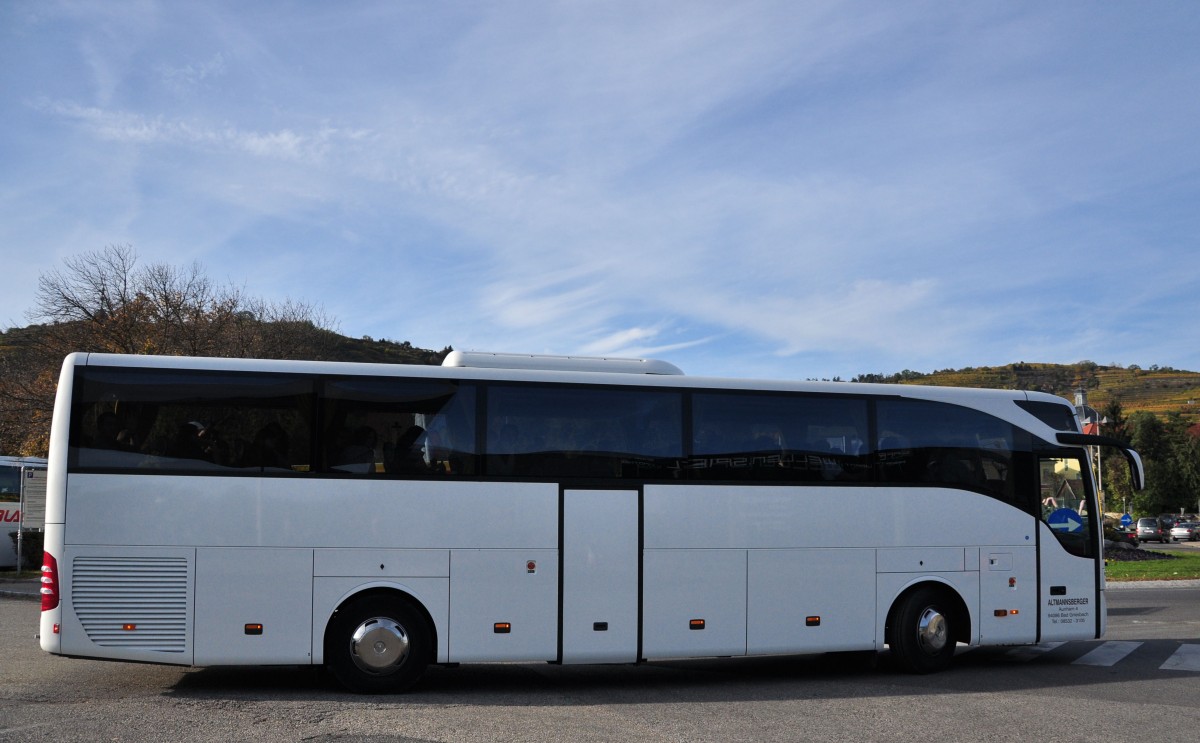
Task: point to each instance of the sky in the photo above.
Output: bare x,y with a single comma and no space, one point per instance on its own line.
796,189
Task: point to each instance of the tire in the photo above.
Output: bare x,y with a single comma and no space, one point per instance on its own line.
922,629
378,645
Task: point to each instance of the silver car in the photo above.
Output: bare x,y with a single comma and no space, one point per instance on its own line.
1152,529
1186,530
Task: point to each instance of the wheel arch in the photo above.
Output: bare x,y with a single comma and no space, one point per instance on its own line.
962,623
388,591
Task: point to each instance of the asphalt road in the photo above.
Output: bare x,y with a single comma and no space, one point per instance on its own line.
1123,688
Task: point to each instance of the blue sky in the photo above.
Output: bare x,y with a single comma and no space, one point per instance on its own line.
758,189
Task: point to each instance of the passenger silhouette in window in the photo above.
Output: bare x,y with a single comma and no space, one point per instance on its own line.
189,441
404,454
270,448
359,455
110,434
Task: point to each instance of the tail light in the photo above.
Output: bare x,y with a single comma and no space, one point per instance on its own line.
49,582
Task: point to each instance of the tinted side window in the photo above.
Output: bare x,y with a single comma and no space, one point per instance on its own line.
1065,492
583,432
1059,417
10,484
940,444
398,427
153,420
779,438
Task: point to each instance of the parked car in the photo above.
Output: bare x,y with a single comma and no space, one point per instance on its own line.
1151,529
1119,534
1186,530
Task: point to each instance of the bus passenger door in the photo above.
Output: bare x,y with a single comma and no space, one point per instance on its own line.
600,576
1072,604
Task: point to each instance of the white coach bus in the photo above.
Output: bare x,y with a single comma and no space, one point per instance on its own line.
380,518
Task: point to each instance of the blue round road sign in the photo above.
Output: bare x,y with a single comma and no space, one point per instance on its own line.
1065,519
1126,520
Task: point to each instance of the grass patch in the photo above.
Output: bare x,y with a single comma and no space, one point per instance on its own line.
1182,566
14,575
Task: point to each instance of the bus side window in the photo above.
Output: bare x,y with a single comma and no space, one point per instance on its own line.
160,420
357,452
779,438
579,432
399,427
924,442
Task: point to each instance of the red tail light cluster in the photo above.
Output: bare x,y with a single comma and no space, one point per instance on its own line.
49,582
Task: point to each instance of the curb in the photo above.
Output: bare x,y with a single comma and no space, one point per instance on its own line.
1136,584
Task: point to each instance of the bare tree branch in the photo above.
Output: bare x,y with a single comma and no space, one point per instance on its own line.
103,301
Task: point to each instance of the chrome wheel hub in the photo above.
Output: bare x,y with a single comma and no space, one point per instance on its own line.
932,631
379,645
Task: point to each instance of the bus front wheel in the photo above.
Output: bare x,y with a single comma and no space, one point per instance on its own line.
377,645
922,631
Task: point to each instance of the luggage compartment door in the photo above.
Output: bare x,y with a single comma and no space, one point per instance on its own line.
600,575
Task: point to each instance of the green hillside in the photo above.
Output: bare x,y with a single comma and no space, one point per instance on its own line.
1157,390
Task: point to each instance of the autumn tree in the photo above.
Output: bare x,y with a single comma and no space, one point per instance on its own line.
104,301
27,385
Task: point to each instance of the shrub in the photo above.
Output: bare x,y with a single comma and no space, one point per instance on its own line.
31,548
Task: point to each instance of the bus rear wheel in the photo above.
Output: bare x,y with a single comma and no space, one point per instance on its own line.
377,645
922,631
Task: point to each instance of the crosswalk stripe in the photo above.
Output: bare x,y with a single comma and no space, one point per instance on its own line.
1186,658
1108,654
1029,652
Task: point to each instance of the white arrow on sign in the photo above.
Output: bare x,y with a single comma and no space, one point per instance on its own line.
1070,525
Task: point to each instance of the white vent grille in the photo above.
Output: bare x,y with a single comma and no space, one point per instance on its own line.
132,602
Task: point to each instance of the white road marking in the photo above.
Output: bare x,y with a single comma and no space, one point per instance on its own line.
1029,652
1186,658
1110,653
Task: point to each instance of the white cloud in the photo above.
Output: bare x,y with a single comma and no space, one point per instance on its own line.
616,342
183,80
126,127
